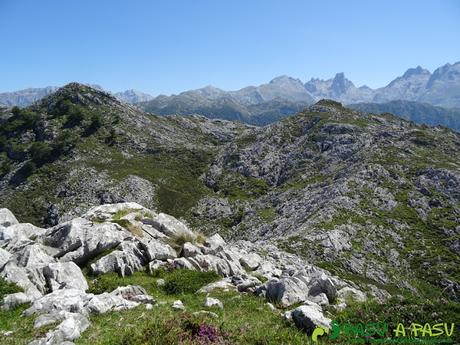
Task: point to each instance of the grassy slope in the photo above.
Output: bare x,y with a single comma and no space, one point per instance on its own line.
245,319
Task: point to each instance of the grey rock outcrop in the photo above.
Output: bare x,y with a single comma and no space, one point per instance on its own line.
7,218
213,302
307,317
64,275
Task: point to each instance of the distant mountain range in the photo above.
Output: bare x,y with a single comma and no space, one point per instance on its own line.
257,105
419,96
417,112
422,93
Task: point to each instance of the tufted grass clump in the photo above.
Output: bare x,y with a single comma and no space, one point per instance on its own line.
132,228
110,281
124,212
178,240
7,288
200,238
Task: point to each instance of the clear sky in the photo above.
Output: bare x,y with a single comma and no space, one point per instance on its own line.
171,46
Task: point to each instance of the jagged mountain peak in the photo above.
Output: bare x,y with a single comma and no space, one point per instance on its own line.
340,84
283,79
447,73
209,91
415,71
133,96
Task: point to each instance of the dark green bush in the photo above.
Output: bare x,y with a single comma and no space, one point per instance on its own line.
111,139
188,281
110,281
21,120
28,169
65,142
3,142
93,124
5,167
40,152
75,116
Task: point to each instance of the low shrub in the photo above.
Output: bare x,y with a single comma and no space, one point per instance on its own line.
188,281
110,281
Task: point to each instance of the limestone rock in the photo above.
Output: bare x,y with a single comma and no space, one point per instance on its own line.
214,243
127,259
20,276
80,240
64,275
4,257
71,300
133,293
156,250
7,218
323,284
178,305
245,283
170,226
32,255
105,302
13,300
320,299
347,293
29,230
288,290
221,285
308,317
190,250
213,302
69,329
251,261
107,211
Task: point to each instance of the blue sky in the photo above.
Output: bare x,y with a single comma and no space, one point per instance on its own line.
171,46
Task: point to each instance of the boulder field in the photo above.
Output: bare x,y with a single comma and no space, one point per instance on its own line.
126,237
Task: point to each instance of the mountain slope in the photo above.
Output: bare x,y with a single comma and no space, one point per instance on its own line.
408,87
421,113
367,196
80,146
372,198
443,87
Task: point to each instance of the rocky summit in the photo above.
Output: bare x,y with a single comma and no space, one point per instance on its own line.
245,234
